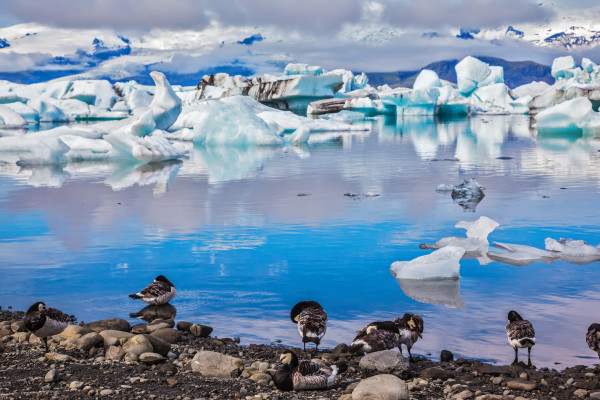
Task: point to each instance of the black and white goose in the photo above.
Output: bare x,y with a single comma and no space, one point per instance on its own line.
44,322
520,334
377,336
161,291
311,320
297,374
410,328
593,338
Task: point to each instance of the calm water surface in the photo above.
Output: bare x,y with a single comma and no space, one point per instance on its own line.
245,233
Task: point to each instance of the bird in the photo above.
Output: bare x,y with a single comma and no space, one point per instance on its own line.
43,321
161,291
304,374
520,334
593,338
410,328
311,320
377,336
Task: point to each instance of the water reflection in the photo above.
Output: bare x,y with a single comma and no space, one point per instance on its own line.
437,291
159,173
154,312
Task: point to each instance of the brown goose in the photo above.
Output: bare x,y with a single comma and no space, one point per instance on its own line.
520,334
304,374
161,291
593,338
410,328
44,322
377,336
311,320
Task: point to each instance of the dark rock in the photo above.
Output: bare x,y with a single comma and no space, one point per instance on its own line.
168,335
446,356
488,369
462,361
340,348
139,328
116,324
168,369
436,373
201,330
588,385
160,346
184,326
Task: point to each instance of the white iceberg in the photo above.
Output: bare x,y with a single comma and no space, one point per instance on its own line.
10,119
518,254
427,79
470,72
441,264
476,240
570,247
576,114
562,66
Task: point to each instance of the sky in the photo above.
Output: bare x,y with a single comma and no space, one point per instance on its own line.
361,35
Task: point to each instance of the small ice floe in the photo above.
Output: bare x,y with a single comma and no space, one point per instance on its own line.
441,264
519,255
468,194
356,196
433,291
475,244
574,251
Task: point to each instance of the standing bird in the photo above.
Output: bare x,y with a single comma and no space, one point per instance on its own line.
410,327
311,320
304,374
161,291
44,322
593,338
520,333
377,336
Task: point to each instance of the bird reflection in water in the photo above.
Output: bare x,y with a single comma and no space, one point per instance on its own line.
153,312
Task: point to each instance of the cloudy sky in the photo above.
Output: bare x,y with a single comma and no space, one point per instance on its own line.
368,35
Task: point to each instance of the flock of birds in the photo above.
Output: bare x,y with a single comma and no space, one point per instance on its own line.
295,374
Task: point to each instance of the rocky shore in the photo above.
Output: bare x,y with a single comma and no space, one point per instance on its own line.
168,360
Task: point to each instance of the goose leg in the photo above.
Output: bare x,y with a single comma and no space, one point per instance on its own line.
529,356
46,343
516,361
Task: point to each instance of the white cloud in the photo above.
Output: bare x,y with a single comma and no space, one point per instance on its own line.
16,62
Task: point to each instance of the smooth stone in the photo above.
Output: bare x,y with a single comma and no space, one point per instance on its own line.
384,362
106,392
155,327
52,376
160,346
184,326
130,357
74,330
139,328
169,335
580,393
114,353
260,377
381,387
587,385
216,365
488,369
89,340
465,394
5,332
151,358
111,333
116,324
137,345
521,385
21,337
169,321
111,341
201,330
490,397
446,356
18,326
436,373
76,385
52,356
595,395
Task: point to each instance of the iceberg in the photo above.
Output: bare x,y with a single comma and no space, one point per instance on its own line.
471,73
519,255
576,114
441,264
476,240
570,247
427,79
444,292
562,67
10,119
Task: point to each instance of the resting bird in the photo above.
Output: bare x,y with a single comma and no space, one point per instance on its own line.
520,333
311,320
44,322
304,374
593,338
377,336
161,291
410,328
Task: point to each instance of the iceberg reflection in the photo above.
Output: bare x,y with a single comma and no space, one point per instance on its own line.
433,291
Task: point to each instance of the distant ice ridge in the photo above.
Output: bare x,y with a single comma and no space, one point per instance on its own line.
140,137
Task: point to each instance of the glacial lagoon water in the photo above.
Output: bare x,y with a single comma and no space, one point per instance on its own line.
245,233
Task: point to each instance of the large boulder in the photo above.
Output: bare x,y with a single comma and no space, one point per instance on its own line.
216,365
116,324
137,345
381,387
384,362
74,330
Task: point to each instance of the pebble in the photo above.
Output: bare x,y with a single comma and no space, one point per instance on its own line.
52,376
106,392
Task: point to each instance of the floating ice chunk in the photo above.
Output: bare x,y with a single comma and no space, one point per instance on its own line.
476,240
165,106
572,114
427,79
135,95
491,99
37,148
232,124
54,90
441,264
302,69
561,67
517,254
496,76
98,93
469,73
588,65
530,89
10,119
47,111
154,147
28,113
434,291
299,136
288,121
468,194
255,106
480,228
444,187
345,116
572,247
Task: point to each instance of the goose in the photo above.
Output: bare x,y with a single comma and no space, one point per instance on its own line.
410,328
304,374
520,334
43,321
377,336
161,291
593,338
311,320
